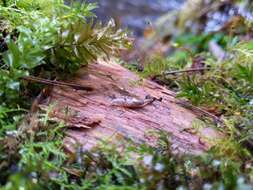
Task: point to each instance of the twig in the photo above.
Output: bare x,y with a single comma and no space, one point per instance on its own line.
57,83
195,108
204,112
186,70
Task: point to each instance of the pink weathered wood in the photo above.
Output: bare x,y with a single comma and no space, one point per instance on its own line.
94,118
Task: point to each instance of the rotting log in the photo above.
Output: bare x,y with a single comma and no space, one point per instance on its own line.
91,117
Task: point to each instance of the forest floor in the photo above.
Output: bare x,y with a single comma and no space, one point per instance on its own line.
178,115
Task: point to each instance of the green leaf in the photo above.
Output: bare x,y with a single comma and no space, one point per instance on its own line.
13,55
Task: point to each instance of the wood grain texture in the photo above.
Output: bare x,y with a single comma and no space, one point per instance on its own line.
91,117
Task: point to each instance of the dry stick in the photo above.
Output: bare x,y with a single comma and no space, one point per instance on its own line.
195,108
206,113
186,70
249,143
57,83
187,104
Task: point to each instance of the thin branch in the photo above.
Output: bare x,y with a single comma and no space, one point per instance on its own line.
186,70
195,108
204,112
57,83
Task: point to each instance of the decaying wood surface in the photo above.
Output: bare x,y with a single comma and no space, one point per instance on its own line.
91,116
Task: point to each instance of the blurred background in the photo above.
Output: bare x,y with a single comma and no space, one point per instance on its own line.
135,14
138,15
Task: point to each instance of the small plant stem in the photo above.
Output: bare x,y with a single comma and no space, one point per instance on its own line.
195,108
57,83
186,70
204,112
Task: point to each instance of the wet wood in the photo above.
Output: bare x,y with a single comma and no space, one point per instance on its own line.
91,116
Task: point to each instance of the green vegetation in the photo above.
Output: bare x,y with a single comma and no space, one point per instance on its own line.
43,165
48,39
224,88
51,40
